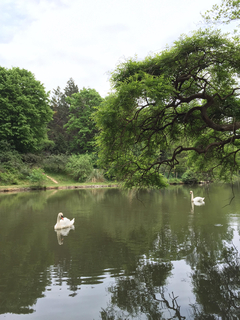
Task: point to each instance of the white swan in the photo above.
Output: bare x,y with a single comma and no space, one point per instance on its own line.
197,199
63,222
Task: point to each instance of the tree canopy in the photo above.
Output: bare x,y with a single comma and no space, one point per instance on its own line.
226,12
182,100
60,107
80,123
24,110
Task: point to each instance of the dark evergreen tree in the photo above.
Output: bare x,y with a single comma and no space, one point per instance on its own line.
57,132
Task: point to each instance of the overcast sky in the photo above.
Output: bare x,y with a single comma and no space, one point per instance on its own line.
85,39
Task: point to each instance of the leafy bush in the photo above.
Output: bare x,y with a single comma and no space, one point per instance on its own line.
79,167
12,166
31,159
7,177
10,160
24,172
97,175
174,180
189,177
37,176
94,159
55,163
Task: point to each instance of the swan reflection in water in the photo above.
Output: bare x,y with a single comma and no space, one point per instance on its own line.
196,203
61,233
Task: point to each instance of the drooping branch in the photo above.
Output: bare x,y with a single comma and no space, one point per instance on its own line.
171,162
172,107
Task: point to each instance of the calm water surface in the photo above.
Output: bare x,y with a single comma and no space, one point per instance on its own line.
153,256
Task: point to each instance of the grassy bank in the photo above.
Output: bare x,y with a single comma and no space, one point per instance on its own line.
56,181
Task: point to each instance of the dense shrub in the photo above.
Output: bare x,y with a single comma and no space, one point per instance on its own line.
189,177
79,167
31,159
24,172
7,178
37,176
97,175
55,163
11,164
10,160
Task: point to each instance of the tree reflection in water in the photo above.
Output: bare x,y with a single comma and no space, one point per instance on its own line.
142,293
216,285
32,261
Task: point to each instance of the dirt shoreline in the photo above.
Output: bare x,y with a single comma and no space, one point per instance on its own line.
14,189
92,186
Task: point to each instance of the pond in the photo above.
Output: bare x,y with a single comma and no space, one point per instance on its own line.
147,256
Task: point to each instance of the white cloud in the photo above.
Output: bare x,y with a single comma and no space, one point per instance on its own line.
59,39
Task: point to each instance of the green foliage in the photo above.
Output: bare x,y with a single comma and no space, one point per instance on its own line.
97,175
227,11
11,160
81,125
7,178
24,173
37,177
55,163
12,166
79,167
184,99
31,159
24,110
174,181
57,132
189,177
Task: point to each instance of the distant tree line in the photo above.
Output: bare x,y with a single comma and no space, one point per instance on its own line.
72,129
32,122
56,133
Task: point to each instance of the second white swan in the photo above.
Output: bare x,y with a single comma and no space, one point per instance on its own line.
196,199
63,222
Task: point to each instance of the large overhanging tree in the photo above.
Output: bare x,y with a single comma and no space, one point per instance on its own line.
225,12
182,100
